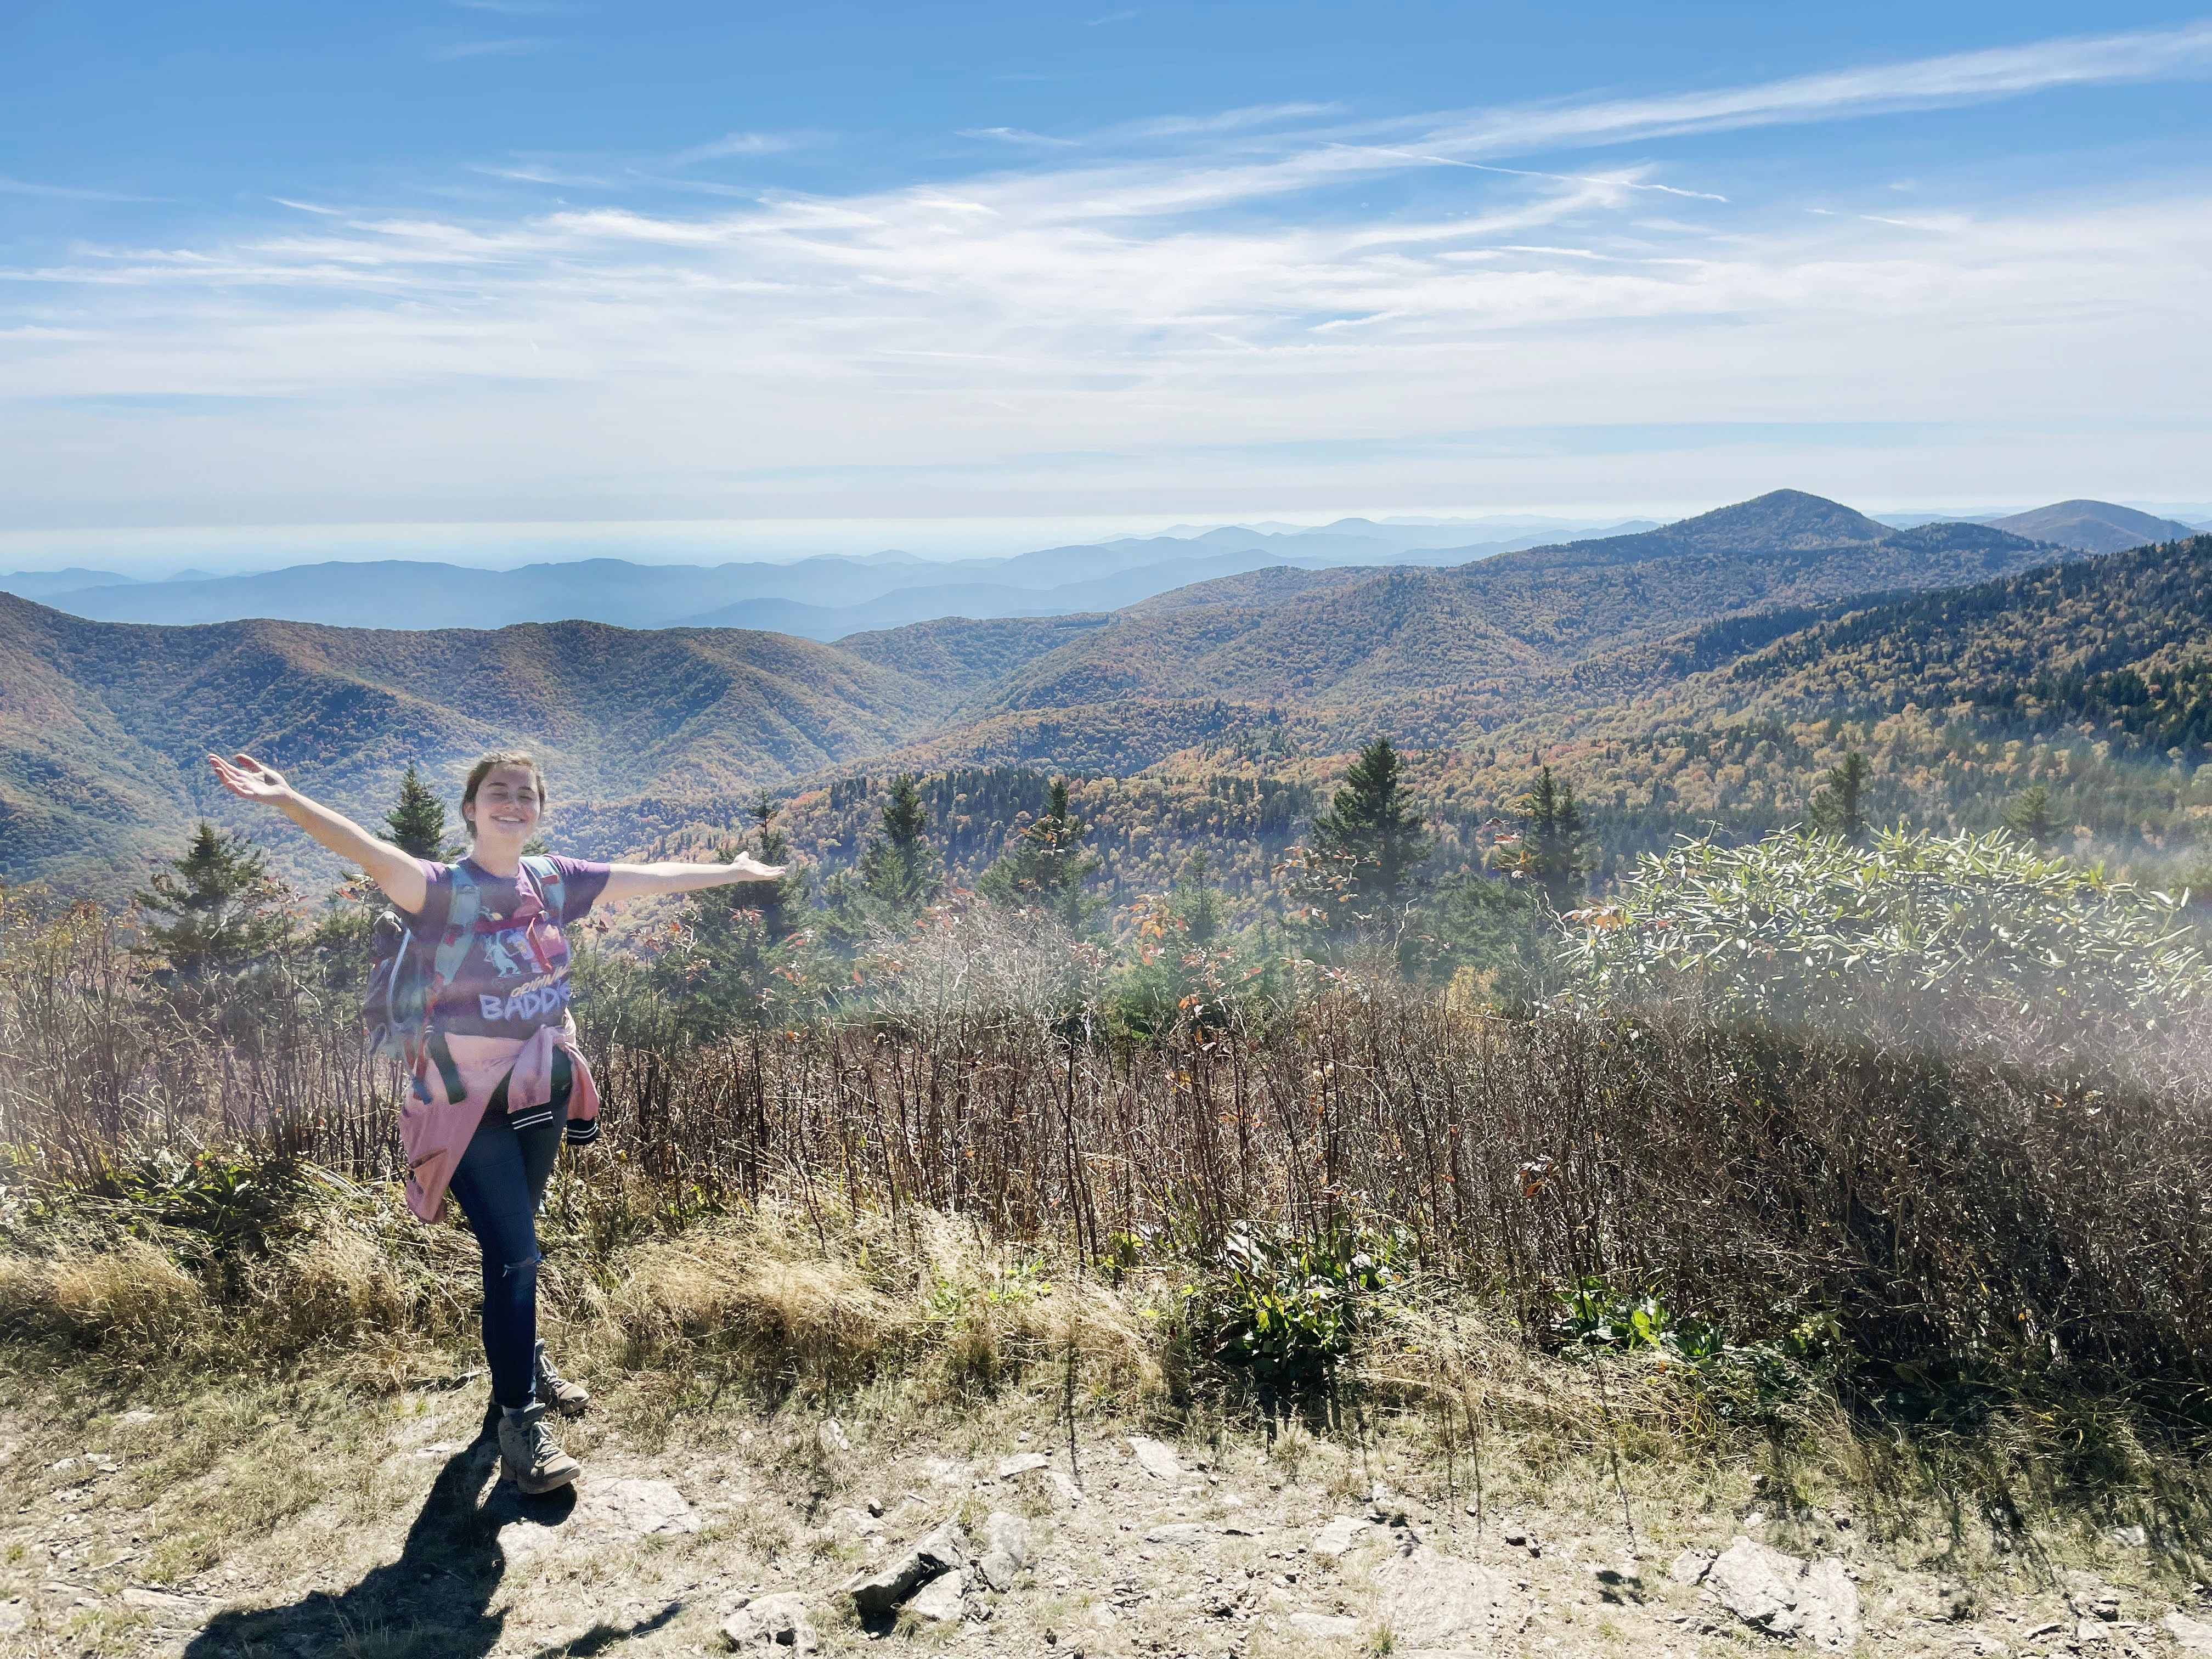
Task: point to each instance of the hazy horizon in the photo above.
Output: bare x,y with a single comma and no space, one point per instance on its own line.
161,553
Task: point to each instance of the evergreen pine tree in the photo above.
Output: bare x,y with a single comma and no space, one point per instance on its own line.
1195,904
742,959
1840,808
416,825
1371,835
1551,851
898,871
1046,866
225,912
2029,815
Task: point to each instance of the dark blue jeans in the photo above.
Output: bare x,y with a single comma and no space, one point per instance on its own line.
499,1183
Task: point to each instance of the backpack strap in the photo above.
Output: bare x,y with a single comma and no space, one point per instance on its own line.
552,887
448,945
463,898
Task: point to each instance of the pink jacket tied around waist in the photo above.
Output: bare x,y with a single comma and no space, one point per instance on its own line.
434,1132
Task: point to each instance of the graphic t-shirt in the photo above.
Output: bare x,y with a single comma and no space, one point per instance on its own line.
514,977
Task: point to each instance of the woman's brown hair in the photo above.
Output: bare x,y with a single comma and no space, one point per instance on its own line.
485,767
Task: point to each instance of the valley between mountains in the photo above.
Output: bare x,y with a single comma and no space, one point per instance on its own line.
1240,690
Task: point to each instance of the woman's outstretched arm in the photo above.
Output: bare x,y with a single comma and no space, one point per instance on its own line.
399,874
628,881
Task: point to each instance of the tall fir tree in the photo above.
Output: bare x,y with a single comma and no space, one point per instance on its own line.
2029,816
224,912
1372,842
899,872
416,824
1046,866
1551,852
1840,807
741,958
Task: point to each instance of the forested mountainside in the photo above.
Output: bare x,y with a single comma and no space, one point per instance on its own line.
2089,681
103,725
2119,641
1482,631
1260,675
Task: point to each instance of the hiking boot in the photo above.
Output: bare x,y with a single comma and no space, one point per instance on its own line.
531,1454
569,1399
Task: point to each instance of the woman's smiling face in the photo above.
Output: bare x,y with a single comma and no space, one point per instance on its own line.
506,810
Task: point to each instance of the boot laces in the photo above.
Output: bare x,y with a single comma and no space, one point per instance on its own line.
543,1448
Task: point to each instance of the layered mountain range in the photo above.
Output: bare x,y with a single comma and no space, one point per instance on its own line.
823,598
103,725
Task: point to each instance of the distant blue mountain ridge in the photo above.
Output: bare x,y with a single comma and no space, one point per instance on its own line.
825,598
831,597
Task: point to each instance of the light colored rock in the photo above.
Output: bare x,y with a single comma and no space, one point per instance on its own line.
853,1524
830,1434
943,1551
1429,1599
1065,1489
1008,1534
605,1512
2091,1597
2129,1538
1022,1463
1006,1551
1179,1534
2191,1635
1322,1626
1339,1536
1105,1616
943,1472
772,1621
1784,1595
1690,1567
938,1601
160,1603
1156,1459
15,1612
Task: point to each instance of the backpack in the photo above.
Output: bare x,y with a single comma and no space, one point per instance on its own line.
409,963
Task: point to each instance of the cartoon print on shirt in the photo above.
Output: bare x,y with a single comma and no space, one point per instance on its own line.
505,951
499,950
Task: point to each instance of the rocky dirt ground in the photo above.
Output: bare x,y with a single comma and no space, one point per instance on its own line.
261,1522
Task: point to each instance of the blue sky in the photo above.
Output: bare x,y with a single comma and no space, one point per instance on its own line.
966,277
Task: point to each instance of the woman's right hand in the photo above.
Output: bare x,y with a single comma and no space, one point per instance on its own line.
248,779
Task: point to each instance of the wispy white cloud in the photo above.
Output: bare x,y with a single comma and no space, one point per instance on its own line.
1088,322
461,49
1018,136
306,206
535,172
1951,81
1254,115
63,192
745,144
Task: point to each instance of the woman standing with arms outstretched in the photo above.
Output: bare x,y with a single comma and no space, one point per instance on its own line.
497,1080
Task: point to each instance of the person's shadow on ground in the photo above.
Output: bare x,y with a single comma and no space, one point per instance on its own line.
435,1600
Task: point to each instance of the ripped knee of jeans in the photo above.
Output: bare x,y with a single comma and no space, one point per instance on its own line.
528,1266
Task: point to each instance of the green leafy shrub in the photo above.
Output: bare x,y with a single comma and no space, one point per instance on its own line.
1286,1309
234,1199
1742,1381
1807,927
